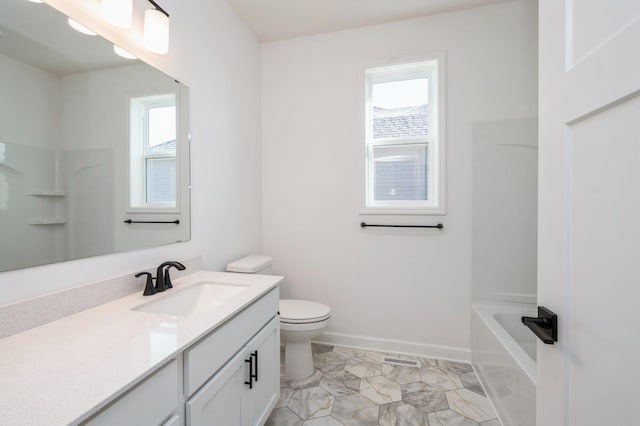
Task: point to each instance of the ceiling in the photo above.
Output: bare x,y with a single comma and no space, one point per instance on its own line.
274,20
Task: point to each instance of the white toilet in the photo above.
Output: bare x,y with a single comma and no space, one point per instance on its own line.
300,321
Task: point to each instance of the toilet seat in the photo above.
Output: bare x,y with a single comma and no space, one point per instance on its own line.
294,311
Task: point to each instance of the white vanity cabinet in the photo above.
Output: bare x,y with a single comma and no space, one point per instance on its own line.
174,359
234,371
230,377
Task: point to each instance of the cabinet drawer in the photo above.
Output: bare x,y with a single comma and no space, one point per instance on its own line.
149,403
203,359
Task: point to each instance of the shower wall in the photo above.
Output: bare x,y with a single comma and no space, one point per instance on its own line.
29,137
44,183
28,214
504,239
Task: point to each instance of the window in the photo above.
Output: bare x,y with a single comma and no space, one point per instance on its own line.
153,170
404,138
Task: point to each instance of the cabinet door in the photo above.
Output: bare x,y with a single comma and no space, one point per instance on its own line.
263,352
219,402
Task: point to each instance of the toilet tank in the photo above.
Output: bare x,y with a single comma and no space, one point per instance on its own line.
251,265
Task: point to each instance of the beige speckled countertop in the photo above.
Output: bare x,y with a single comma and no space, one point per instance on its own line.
64,371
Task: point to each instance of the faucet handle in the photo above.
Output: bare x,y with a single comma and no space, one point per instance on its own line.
149,289
167,278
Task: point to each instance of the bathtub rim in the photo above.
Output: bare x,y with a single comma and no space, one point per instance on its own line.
486,309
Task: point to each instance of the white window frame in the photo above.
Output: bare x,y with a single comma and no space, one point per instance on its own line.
139,154
433,68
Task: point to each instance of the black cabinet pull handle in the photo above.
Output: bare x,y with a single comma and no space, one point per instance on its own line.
250,382
545,325
254,355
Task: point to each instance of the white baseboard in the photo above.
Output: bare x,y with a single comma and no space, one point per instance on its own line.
395,346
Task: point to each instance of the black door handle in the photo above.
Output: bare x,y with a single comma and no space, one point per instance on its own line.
545,325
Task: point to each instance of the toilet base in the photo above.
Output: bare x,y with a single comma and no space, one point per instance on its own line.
298,360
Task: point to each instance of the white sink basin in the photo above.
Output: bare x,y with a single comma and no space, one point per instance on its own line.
199,296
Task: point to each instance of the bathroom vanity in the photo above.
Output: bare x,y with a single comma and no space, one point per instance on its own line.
205,352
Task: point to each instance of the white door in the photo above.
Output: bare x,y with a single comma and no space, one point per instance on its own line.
589,211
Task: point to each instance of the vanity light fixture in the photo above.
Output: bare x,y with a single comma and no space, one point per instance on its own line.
156,22
118,12
156,29
79,27
121,52
36,1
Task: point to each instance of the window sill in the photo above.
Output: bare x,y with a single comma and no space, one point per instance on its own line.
427,211
152,210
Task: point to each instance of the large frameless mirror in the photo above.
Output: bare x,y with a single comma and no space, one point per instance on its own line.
94,149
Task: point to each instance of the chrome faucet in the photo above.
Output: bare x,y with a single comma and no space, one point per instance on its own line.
163,280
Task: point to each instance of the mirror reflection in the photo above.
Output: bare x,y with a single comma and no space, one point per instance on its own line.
93,147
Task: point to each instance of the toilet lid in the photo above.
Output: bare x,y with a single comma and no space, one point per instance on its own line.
302,311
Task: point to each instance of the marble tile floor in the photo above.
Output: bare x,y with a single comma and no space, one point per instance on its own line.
353,387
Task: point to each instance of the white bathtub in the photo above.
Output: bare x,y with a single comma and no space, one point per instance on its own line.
503,354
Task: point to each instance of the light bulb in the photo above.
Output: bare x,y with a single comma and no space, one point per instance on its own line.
79,27
118,12
156,31
121,52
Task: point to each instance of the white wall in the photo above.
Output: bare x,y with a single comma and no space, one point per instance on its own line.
505,207
29,95
385,285
214,54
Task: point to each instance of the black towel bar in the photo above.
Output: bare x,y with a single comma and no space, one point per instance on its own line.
177,222
366,225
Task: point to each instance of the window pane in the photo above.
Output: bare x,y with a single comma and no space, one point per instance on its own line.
162,126
400,108
161,180
400,172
